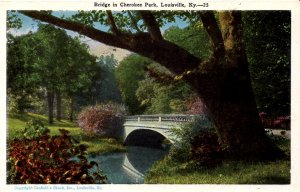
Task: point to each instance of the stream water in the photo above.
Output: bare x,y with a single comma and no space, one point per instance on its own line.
129,167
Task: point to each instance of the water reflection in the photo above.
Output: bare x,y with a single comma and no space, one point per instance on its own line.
129,167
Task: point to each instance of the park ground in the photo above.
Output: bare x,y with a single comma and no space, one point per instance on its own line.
168,171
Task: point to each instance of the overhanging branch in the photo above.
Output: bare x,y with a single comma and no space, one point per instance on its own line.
152,25
91,32
214,32
111,21
133,22
170,55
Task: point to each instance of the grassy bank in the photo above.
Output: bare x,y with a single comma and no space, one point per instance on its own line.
16,124
168,171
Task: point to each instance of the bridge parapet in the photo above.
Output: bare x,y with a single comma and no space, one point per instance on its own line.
164,118
162,124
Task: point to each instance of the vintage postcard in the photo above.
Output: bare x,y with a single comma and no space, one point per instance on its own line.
149,95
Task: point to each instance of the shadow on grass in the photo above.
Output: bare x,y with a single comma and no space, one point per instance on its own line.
272,179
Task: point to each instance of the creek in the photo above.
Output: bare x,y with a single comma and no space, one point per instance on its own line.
129,167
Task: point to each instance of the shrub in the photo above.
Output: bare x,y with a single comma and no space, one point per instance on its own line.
50,160
34,128
102,120
196,106
181,150
206,150
283,122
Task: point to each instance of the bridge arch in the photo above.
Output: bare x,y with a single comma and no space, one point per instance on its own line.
153,129
145,137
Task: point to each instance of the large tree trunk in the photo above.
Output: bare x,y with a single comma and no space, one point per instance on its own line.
227,92
58,106
71,110
50,99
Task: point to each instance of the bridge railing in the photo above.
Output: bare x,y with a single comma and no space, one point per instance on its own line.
164,118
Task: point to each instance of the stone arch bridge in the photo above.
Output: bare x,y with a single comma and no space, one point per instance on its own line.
152,130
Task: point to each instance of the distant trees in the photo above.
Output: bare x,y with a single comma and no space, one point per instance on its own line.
143,91
268,45
129,73
158,97
47,61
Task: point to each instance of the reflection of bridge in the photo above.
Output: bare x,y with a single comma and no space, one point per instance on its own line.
151,130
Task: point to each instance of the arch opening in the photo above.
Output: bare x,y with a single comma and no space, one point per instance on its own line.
145,138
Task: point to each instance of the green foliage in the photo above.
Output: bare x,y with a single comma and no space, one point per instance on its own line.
130,21
96,145
185,135
169,172
34,128
268,42
161,97
206,150
105,88
13,21
129,72
104,120
50,160
193,38
47,60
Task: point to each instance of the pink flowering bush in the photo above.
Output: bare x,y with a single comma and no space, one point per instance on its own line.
196,106
282,122
102,120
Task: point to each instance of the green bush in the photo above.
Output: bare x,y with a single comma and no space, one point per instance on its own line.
181,150
104,120
197,143
34,128
206,150
50,160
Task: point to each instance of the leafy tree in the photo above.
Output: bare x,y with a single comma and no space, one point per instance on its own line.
190,38
48,60
129,72
18,87
159,97
268,43
108,89
77,80
222,81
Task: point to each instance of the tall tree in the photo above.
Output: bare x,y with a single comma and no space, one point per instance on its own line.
48,60
268,43
129,72
222,81
19,88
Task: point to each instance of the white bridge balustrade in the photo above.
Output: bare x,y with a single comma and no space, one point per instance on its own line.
159,124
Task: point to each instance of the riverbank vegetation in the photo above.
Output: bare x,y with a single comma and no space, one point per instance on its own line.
95,145
170,171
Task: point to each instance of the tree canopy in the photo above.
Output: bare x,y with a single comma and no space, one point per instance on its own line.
48,60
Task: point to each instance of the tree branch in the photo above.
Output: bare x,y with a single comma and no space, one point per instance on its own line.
152,25
214,32
168,54
91,32
133,22
112,23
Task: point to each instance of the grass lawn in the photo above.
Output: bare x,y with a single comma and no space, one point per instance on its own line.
16,124
169,172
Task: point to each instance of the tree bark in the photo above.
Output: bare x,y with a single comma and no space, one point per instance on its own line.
223,82
71,113
50,99
227,92
58,106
